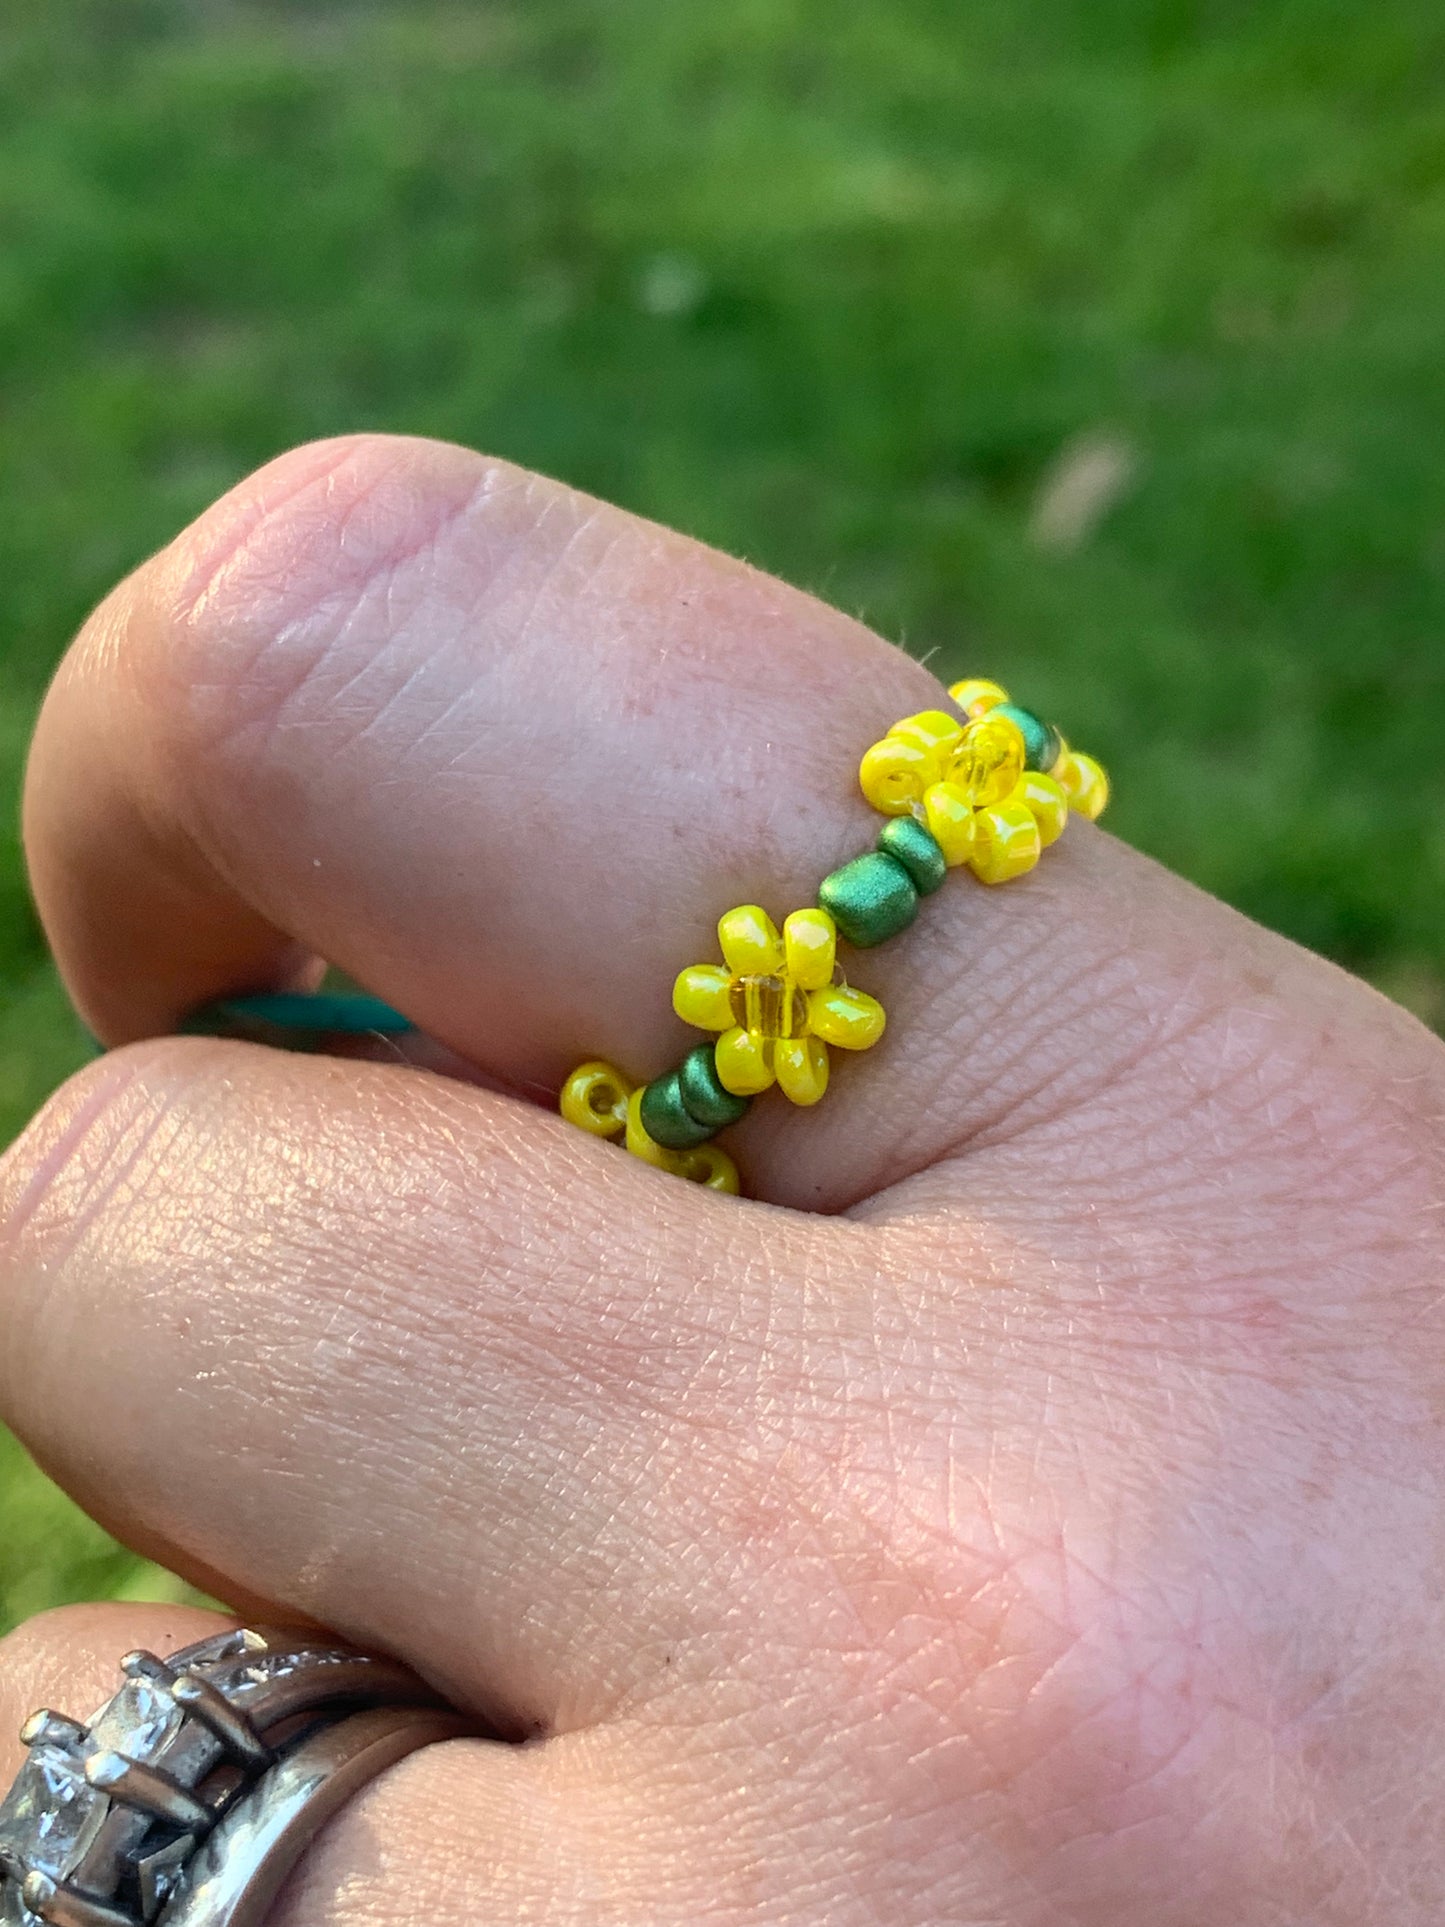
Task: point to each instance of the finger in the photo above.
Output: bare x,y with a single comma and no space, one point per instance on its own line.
505,754
500,1441
403,1358
455,1833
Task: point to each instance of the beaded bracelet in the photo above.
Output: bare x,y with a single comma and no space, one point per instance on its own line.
989,788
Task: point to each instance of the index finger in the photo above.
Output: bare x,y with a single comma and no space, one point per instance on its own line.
506,754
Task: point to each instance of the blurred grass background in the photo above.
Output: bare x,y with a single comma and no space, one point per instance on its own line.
1095,344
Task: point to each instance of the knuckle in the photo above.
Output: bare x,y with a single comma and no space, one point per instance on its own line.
310,561
282,597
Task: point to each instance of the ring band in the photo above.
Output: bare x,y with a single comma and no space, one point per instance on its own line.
233,1878
190,1796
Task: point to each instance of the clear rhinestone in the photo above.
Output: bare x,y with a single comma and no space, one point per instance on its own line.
139,1721
160,1874
262,1668
50,1816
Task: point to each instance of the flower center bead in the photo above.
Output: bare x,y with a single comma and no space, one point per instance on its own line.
768,1006
989,760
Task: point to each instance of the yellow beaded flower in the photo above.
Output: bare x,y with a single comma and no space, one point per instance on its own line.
995,787
776,1004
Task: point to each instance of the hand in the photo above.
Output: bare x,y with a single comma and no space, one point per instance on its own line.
1030,1512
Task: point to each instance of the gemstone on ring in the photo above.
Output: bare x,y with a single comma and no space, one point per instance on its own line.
139,1721
48,1823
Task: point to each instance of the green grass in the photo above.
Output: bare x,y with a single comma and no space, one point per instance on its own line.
846,286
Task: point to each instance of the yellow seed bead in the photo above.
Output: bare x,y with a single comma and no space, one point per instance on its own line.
930,729
949,815
640,1144
595,1097
744,1066
702,996
1007,842
976,697
1084,783
810,944
894,774
988,761
846,1017
1046,802
706,1164
751,945
712,1168
802,1068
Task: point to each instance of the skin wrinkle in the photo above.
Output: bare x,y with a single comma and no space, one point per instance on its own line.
381,586
1171,1037
1351,1136
1249,1274
217,828
29,1192
97,1169
805,1752
1056,1085
258,567
1114,993
1282,1175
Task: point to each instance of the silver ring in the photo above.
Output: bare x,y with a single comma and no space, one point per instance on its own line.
190,1796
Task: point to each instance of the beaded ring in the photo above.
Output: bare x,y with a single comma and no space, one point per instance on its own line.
988,788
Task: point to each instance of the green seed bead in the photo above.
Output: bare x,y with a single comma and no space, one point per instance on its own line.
667,1120
703,1096
1042,742
870,899
914,845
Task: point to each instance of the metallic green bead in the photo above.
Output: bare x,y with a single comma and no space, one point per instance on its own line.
870,899
1042,742
703,1095
667,1120
914,845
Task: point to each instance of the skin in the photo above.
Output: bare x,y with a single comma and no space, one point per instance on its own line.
1028,1509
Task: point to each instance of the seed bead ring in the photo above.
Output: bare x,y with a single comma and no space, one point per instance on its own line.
987,787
